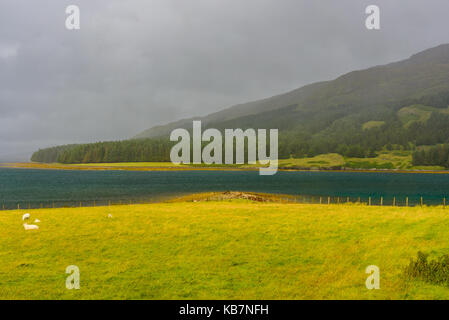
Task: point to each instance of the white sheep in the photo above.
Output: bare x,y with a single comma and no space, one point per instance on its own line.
30,226
25,216
36,221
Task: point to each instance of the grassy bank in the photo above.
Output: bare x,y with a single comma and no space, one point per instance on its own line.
130,166
149,166
235,249
385,161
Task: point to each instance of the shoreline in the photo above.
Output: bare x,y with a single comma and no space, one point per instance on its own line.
220,197
57,166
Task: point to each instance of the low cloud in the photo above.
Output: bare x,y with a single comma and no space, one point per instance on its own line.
135,64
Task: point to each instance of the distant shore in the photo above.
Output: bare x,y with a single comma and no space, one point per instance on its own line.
168,166
113,167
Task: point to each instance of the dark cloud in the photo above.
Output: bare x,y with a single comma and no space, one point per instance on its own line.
135,64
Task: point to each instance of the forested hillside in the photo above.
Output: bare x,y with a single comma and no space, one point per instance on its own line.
115,151
401,105
52,154
432,156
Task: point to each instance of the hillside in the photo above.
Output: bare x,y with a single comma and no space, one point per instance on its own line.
375,93
400,105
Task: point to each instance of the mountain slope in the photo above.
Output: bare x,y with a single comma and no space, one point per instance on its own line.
401,105
379,91
238,111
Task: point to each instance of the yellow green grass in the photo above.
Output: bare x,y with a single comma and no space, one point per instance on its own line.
131,164
372,124
220,250
320,161
384,160
414,113
418,113
388,160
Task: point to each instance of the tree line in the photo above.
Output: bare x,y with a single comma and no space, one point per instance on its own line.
345,137
140,150
432,156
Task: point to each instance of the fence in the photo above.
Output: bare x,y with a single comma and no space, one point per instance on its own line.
305,199
17,205
369,200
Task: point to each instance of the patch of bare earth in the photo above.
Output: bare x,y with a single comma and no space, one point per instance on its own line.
235,195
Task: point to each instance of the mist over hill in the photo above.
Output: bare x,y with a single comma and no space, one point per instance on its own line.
421,79
399,105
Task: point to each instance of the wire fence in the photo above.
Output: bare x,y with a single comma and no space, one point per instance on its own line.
304,199
369,200
18,205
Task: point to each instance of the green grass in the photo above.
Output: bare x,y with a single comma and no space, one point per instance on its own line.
414,113
220,250
436,168
384,160
418,113
130,164
372,124
320,161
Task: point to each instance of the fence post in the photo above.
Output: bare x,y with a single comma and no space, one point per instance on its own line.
369,201
421,201
394,201
347,199
381,201
338,200
18,206
444,203
406,201
328,200
321,200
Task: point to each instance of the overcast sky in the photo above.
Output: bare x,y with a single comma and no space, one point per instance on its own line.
135,64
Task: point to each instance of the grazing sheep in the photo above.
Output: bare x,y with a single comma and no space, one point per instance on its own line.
25,216
36,221
30,226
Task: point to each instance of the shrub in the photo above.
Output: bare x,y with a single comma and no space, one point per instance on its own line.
432,271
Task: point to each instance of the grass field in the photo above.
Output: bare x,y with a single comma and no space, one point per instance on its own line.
320,161
386,160
130,164
220,250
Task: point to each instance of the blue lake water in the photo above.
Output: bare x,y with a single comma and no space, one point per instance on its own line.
35,187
